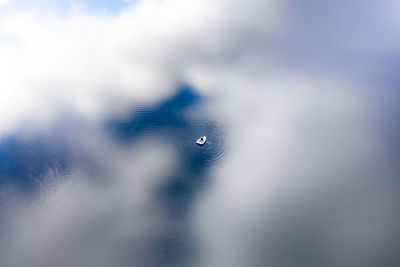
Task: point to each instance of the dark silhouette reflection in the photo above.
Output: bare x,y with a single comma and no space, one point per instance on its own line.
173,121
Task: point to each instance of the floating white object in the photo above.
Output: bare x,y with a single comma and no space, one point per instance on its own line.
201,141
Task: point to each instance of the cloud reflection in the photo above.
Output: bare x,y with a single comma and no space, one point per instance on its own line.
299,103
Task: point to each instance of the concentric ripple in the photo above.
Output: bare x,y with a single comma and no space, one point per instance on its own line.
213,151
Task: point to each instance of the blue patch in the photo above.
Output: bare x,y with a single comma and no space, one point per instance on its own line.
65,6
177,121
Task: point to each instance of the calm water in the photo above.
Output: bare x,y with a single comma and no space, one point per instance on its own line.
299,101
27,164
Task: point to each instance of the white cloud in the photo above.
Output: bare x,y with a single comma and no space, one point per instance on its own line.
74,221
293,125
97,64
81,60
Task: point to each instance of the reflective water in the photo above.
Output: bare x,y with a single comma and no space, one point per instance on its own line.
131,190
51,155
93,175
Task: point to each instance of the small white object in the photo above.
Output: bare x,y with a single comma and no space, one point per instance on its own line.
201,141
